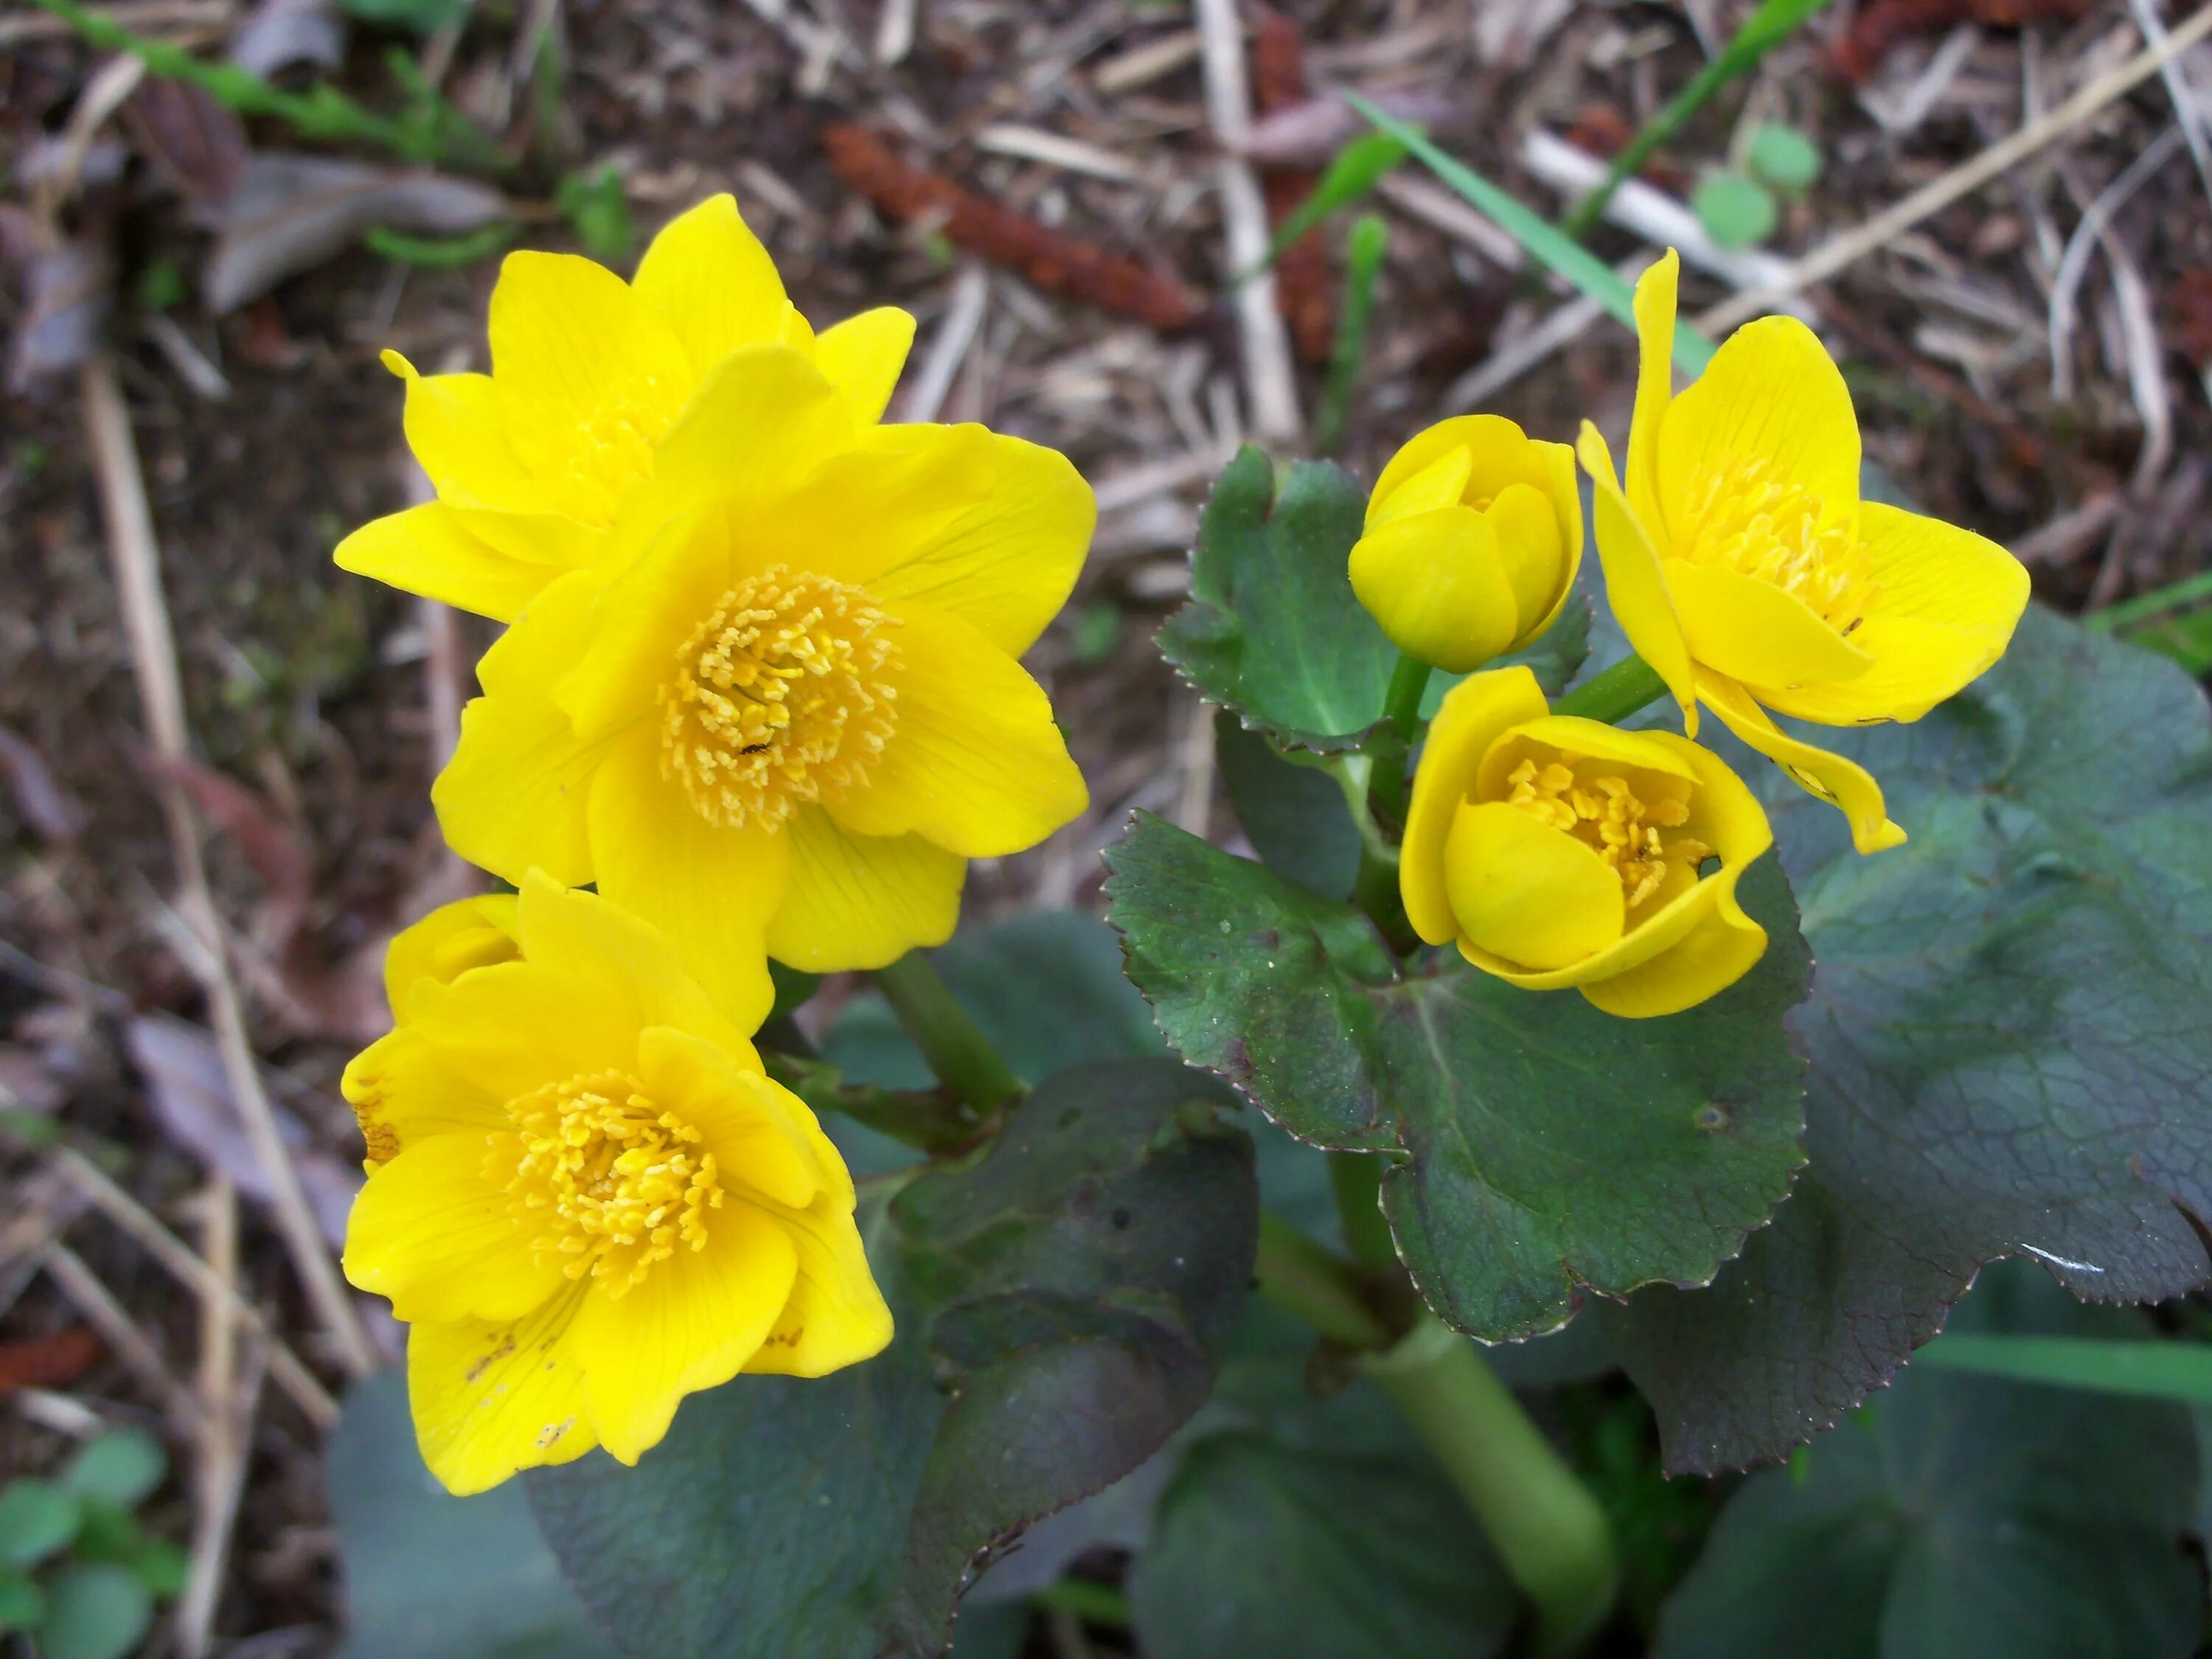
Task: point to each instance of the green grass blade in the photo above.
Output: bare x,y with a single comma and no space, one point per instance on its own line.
1370,241
1544,242
1771,24
1356,169
2157,1370
2174,595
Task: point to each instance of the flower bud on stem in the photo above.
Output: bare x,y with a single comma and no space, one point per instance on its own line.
962,1058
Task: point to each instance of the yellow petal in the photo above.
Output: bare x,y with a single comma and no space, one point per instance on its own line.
1636,581
1723,812
550,539
429,551
862,356
1008,563
431,1232
762,418
740,1115
1473,714
689,1324
975,762
1442,483
1771,390
1532,554
626,961
513,795
713,284
888,499
1723,946
859,900
402,1092
587,375
1437,583
836,1317
1527,892
1752,631
1655,292
490,1398
457,431
469,933
710,890
513,1028
1842,784
1947,603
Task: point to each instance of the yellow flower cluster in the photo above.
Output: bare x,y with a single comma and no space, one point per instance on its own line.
760,688
1747,571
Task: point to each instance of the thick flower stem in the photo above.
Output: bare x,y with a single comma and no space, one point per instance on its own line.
962,1058
1375,889
1616,694
1548,1529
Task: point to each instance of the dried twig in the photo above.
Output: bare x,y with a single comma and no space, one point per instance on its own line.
948,347
1049,258
121,1334
1269,381
137,560
216,1474
1305,293
1846,250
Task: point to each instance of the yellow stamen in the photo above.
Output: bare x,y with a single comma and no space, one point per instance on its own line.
1605,813
779,698
1744,518
607,1183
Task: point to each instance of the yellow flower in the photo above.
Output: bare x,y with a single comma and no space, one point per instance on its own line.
533,462
1744,568
783,706
1473,535
585,1196
1556,851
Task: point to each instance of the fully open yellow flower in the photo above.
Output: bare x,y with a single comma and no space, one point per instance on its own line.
1472,539
533,462
1556,851
783,706
1745,568
584,1194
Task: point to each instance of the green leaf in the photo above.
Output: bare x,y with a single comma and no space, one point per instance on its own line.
94,1610
1295,816
1735,211
1963,1517
2150,1370
2009,1052
1263,1550
597,209
22,1604
1272,630
122,1466
439,253
36,1518
1553,249
424,17
1062,1300
1782,157
1352,173
429,1575
1546,1148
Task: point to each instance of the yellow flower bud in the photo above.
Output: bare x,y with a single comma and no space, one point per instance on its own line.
1473,538
1556,851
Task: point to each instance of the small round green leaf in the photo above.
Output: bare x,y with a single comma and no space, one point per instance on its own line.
36,1518
1735,211
1784,158
22,1604
121,1468
94,1611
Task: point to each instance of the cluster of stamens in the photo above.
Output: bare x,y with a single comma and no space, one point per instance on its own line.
611,450
1744,518
1606,814
779,698
607,1183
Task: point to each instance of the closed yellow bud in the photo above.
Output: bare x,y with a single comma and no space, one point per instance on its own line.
1555,851
1473,538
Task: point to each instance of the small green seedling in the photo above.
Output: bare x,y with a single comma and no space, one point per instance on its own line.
598,212
1783,159
77,1571
1735,211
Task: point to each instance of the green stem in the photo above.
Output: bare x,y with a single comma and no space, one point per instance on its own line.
1371,241
1357,1179
1548,1529
1613,696
1375,888
965,1059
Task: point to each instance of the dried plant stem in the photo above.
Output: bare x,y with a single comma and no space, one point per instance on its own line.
1934,196
108,1317
216,1474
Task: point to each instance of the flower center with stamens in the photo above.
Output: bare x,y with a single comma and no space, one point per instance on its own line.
781,698
1604,812
606,453
607,1183
1744,518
